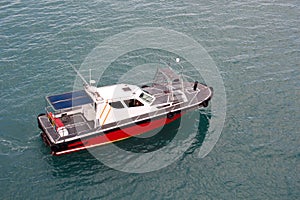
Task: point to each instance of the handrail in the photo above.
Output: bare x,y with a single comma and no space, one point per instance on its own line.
192,99
121,123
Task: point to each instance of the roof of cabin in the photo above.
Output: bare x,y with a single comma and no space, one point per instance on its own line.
117,91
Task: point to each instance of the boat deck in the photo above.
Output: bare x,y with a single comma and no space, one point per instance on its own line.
180,94
76,124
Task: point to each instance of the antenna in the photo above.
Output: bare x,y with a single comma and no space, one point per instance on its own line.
178,61
81,77
92,82
90,75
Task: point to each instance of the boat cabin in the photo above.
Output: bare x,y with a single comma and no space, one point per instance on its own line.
95,107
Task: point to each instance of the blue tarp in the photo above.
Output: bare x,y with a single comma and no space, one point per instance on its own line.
69,100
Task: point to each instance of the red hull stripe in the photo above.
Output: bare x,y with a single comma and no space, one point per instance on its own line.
117,135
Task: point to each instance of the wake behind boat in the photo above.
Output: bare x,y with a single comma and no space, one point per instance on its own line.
96,116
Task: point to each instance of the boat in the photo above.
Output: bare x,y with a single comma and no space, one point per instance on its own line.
95,116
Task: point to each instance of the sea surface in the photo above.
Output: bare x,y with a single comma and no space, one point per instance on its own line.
256,48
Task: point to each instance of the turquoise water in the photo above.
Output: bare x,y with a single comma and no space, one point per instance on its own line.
255,46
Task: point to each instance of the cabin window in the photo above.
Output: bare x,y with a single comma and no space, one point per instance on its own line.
146,97
116,104
133,103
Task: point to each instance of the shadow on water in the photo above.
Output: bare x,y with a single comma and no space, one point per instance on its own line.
167,134
84,163
203,126
151,140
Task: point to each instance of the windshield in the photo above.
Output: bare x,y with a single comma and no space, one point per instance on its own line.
146,97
